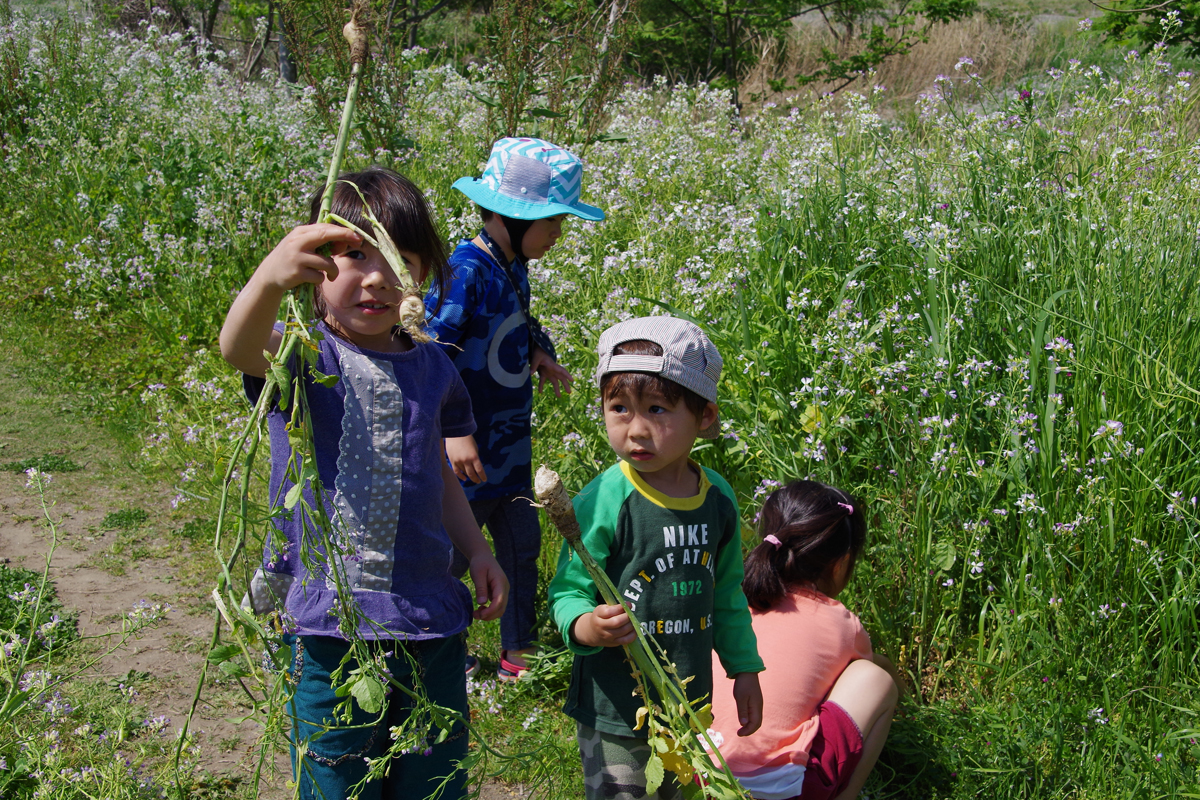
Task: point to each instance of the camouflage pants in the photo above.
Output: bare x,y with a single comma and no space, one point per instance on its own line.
614,767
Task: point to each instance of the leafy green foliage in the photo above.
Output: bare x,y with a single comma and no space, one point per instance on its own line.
719,40
14,581
51,463
125,519
22,619
1146,24
196,530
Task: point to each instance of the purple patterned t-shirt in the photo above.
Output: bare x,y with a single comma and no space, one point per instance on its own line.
378,435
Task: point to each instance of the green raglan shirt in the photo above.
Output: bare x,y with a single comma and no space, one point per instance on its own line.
677,563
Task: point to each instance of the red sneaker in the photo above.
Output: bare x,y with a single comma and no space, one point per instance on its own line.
508,671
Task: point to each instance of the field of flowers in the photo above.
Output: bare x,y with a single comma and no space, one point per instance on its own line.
980,313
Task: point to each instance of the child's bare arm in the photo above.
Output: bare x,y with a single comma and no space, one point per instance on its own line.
606,626
249,325
491,585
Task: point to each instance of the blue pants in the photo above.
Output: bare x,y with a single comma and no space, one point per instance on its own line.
335,761
517,537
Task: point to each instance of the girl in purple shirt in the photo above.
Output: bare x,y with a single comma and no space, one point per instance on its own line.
396,507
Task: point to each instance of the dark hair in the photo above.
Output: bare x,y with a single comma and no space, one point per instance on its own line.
402,210
639,383
516,229
815,527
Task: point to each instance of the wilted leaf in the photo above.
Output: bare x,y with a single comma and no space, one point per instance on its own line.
704,714
641,718
680,766
811,419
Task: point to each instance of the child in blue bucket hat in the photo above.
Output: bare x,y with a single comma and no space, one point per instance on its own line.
526,191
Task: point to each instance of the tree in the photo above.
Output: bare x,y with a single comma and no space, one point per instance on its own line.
717,40
1175,22
557,64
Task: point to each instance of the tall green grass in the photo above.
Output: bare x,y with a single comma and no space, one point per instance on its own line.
979,314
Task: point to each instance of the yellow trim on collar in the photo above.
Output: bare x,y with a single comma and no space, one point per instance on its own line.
664,501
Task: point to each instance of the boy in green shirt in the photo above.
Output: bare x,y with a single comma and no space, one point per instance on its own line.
667,532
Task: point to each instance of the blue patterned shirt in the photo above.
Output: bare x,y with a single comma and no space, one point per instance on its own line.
483,317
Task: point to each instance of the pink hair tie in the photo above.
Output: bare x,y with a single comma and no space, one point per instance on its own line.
849,508
773,540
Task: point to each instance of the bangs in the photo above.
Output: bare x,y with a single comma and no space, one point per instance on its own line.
400,208
639,384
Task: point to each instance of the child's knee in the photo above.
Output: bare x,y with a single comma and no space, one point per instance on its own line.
865,690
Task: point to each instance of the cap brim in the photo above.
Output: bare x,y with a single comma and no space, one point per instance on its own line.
506,206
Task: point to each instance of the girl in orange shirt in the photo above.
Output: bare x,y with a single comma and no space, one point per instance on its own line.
829,700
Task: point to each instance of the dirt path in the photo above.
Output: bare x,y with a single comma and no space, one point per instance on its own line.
102,570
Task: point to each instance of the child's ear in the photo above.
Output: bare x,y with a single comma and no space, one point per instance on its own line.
845,570
709,415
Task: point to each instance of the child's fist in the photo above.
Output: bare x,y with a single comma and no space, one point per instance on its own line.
605,626
297,258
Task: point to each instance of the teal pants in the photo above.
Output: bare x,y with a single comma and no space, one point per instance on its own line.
335,762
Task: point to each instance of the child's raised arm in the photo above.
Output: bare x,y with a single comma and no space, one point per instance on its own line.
249,325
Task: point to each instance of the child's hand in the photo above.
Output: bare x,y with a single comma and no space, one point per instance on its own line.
748,696
491,586
464,458
249,326
295,259
606,626
548,369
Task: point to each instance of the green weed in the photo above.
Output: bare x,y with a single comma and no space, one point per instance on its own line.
196,530
48,463
126,519
979,313
16,589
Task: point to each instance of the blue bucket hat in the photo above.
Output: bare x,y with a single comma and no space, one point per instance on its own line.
530,179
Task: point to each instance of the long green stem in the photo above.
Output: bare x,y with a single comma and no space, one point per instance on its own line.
339,145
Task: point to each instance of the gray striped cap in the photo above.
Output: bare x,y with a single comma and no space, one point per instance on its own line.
689,358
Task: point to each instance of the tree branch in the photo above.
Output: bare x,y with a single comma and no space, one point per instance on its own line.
817,7
1133,10
708,27
421,17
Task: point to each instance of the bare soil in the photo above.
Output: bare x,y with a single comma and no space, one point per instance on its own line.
100,572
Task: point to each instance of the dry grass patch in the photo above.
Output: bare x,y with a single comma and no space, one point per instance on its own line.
1005,49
